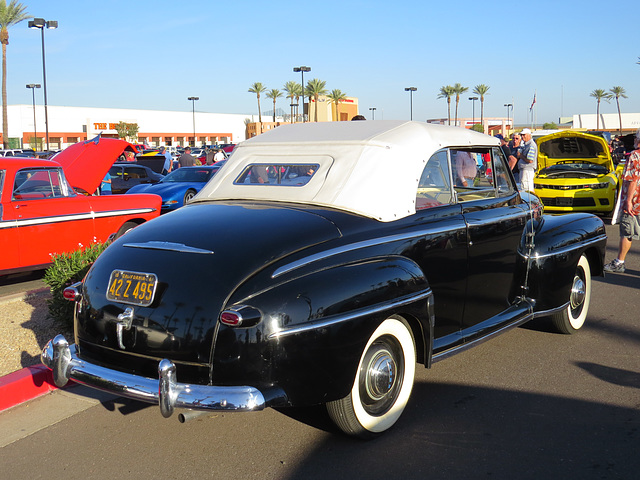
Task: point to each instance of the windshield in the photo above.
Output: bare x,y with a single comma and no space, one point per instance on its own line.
189,175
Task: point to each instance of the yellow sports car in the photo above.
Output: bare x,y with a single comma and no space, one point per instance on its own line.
575,173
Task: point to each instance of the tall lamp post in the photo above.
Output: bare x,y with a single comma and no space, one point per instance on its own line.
473,108
509,106
411,90
302,69
33,87
373,112
193,111
41,24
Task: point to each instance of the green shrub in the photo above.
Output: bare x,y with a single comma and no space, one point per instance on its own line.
67,269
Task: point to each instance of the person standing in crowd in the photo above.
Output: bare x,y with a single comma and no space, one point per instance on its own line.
514,145
630,208
503,145
219,156
168,160
210,153
129,156
186,159
528,160
466,168
105,186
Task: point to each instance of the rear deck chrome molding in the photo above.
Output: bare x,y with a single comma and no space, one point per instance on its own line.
170,246
166,392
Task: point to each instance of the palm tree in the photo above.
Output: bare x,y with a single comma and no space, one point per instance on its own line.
481,90
292,88
336,97
258,88
618,92
9,16
447,92
314,89
458,90
599,94
273,94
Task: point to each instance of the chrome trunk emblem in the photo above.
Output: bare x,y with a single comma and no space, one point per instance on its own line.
125,320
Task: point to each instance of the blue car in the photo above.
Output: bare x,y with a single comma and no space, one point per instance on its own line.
180,186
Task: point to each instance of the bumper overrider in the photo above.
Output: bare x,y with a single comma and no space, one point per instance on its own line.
65,364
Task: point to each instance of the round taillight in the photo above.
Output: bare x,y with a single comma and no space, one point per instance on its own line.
72,292
241,316
233,319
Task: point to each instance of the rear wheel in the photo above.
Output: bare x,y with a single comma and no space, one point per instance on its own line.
383,382
572,318
125,228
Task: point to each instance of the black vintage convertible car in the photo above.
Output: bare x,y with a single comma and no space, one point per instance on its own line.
319,266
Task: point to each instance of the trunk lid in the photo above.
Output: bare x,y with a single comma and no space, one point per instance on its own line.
200,254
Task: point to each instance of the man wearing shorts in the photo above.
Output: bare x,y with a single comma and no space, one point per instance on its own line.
630,207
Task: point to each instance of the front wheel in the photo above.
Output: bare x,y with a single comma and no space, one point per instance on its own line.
188,196
383,382
572,318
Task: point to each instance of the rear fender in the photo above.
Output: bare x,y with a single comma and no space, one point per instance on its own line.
317,326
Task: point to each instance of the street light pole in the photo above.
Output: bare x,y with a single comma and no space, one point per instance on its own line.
411,90
193,111
373,112
473,109
33,87
302,69
508,105
41,24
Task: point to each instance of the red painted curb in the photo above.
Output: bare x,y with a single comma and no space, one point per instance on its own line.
25,384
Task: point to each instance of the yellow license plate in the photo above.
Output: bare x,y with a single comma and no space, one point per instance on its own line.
134,288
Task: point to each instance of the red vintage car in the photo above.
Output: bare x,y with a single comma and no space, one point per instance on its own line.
42,213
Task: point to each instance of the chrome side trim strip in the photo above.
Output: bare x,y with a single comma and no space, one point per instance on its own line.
72,217
546,313
333,320
568,248
170,246
358,245
165,391
460,348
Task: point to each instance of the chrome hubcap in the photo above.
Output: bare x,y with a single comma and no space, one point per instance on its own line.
381,375
578,292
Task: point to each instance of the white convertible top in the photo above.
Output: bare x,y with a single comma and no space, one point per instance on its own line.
370,168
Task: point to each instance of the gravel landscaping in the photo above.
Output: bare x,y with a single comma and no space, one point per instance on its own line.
26,327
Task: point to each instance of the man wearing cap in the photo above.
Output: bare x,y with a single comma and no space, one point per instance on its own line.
528,160
186,159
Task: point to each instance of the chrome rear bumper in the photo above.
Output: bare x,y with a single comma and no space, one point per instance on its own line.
62,359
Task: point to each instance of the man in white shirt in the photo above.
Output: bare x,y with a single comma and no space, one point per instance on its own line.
528,160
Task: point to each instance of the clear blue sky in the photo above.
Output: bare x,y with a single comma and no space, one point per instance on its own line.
153,54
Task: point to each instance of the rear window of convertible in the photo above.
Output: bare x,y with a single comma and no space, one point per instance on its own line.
292,175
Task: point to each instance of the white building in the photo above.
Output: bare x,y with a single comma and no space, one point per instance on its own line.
608,121
68,125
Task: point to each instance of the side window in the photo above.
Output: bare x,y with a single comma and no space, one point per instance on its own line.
115,172
137,173
36,184
473,173
501,175
434,187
